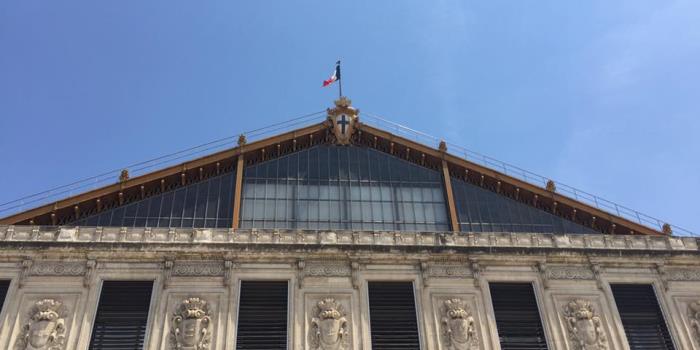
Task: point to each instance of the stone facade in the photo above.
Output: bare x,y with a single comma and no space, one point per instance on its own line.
57,273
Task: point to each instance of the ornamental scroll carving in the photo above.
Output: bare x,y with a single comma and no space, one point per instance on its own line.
329,326
694,316
584,326
190,325
458,329
45,329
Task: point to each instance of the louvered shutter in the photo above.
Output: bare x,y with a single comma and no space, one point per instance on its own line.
122,313
517,316
641,317
4,286
392,313
262,315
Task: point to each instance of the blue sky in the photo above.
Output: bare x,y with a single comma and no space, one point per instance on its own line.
601,95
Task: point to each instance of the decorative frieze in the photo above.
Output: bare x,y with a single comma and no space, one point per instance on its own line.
207,269
327,269
45,328
330,329
458,326
134,235
191,325
584,326
683,274
449,271
569,273
58,268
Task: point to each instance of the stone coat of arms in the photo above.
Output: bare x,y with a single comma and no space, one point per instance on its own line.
190,325
585,327
45,329
343,119
458,330
329,326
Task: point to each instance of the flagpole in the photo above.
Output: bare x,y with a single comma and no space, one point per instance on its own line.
340,82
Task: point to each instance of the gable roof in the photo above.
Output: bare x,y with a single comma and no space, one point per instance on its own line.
547,199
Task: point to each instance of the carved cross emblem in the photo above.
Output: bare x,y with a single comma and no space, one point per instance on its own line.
343,119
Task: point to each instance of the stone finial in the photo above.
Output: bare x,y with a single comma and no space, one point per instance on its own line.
666,229
124,175
551,186
443,146
241,140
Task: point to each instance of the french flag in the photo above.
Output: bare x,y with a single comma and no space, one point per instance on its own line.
335,77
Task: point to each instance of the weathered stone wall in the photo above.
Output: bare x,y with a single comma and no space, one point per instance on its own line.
329,271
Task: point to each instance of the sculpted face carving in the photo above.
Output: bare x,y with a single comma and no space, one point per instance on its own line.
329,326
585,329
694,315
190,329
45,329
458,326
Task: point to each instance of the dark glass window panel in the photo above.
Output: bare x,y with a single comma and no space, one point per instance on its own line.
188,206
339,197
517,316
641,317
262,315
480,210
392,313
122,314
4,286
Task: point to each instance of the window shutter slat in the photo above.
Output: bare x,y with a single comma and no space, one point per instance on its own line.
392,311
641,317
517,316
122,313
262,315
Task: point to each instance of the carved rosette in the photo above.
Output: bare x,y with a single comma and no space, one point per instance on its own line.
584,326
694,316
45,329
458,326
329,326
190,325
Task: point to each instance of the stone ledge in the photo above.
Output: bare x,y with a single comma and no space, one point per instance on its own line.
590,242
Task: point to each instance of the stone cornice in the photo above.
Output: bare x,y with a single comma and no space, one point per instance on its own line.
292,239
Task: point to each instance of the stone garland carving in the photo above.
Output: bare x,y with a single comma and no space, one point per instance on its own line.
694,316
584,326
45,329
190,325
329,326
458,330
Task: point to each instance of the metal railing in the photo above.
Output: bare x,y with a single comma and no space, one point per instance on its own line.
140,168
524,175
